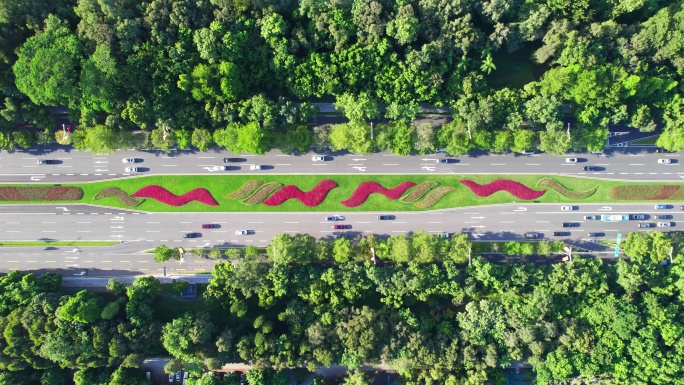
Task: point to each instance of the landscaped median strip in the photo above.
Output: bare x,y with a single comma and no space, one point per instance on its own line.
334,193
57,243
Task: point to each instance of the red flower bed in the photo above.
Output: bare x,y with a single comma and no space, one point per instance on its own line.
165,196
365,189
311,198
519,190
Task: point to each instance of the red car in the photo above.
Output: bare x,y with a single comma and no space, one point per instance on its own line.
210,226
339,227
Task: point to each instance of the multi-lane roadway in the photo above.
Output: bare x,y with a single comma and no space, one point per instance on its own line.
625,163
140,231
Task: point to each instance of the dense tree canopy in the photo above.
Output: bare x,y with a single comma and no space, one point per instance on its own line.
421,309
207,65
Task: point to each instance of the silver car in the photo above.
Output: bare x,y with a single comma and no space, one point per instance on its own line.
318,158
664,161
132,169
255,167
664,224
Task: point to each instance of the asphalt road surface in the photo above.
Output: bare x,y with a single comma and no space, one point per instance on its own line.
621,163
139,231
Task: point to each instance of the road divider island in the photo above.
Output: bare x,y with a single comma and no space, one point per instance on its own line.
240,193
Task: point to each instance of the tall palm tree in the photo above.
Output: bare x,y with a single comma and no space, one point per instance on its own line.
487,65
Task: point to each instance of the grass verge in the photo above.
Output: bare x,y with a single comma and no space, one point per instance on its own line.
222,185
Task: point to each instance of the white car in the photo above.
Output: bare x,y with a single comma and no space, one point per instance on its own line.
132,169
318,158
664,224
255,167
218,168
664,161
567,208
335,218
129,160
242,232
570,160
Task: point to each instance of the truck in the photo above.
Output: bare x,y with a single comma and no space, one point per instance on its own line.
615,218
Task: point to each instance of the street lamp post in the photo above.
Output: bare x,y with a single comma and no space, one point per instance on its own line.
470,253
671,250
371,130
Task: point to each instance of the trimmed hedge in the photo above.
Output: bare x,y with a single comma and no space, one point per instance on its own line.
41,193
119,194
550,183
418,191
634,192
248,188
434,196
263,193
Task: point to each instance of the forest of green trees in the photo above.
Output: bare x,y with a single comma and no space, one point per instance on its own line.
242,73
434,323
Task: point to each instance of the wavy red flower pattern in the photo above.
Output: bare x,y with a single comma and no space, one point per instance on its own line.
310,198
367,188
519,190
165,196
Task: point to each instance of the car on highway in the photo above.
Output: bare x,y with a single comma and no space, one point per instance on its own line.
663,216
218,168
533,235
318,158
597,234
443,235
255,167
645,225
638,217
590,168
664,161
131,160
385,217
192,235
178,375
335,236
170,377
339,227
47,161
230,160
561,233
567,208
334,218
133,169
242,232
210,226
528,152
664,224
570,160
662,207
592,217
570,224
442,161
681,207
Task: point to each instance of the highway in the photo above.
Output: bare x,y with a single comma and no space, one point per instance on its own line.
139,231
617,163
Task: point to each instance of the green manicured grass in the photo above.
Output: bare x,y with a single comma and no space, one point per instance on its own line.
57,243
222,185
650,140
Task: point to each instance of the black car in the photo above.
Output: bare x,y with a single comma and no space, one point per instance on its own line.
590,168
230,160
561,233
639,217
592,217
192,235
663,217
385,217
47,161
533,235
210,226
597,234
570,224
